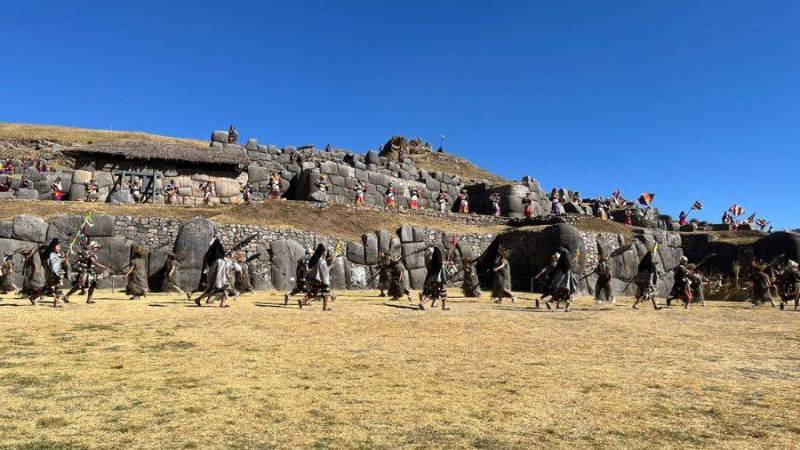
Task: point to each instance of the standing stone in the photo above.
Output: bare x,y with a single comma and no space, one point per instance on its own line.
285,253
355,252
370,243
384,240
191,245
406,234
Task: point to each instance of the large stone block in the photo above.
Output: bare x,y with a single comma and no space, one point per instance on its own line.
191,245
346,171
358,276
420,234
329,168
370,243
29,228
355,252
103,179
33,194
81,176
102,225
378,179
114,253
121,197
413,255
372,157
219,136
77,193
225,188
284,255
384,240
257,173
406,234
339,273
63,227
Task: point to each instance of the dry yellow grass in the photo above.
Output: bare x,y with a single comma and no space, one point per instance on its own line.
455,165
156,373
70,135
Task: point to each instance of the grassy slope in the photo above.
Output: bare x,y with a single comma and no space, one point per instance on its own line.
69,135
455,165
340,221
151,373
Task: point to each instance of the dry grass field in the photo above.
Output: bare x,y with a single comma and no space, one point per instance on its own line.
159,373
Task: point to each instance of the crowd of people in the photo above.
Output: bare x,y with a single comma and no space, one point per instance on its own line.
225,274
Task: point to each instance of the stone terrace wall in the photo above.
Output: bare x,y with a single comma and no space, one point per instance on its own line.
279,248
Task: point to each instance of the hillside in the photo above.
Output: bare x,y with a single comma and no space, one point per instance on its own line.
455,165
21,132
19,140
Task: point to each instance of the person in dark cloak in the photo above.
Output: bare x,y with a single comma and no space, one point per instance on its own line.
681,288
789,285
383,267
215,251
397,280
435,285
696,284
603,293
548,273
470,286
243,282
565,284
300,273
647,280
7,275
33,276
136,275
502,278
318,279
170,282
760,290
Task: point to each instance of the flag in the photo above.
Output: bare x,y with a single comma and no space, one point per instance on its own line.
736,210
646,199
751,218
762,223
698,206
682,215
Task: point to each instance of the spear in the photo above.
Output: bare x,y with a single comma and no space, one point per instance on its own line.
87,221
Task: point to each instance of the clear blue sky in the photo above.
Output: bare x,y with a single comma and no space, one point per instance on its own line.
692,100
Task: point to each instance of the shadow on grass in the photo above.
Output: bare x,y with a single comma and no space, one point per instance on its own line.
401,306
276,305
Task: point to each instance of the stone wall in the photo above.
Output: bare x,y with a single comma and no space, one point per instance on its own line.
278,248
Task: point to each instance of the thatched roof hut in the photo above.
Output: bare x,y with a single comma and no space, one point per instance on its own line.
166,152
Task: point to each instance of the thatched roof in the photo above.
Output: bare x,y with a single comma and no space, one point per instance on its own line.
163,151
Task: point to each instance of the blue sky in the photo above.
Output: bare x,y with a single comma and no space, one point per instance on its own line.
692,100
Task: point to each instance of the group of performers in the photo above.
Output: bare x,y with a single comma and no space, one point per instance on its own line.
225,274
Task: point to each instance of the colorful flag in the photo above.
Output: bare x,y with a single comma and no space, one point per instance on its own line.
762,223
736,210
646,199
698,206
752,218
